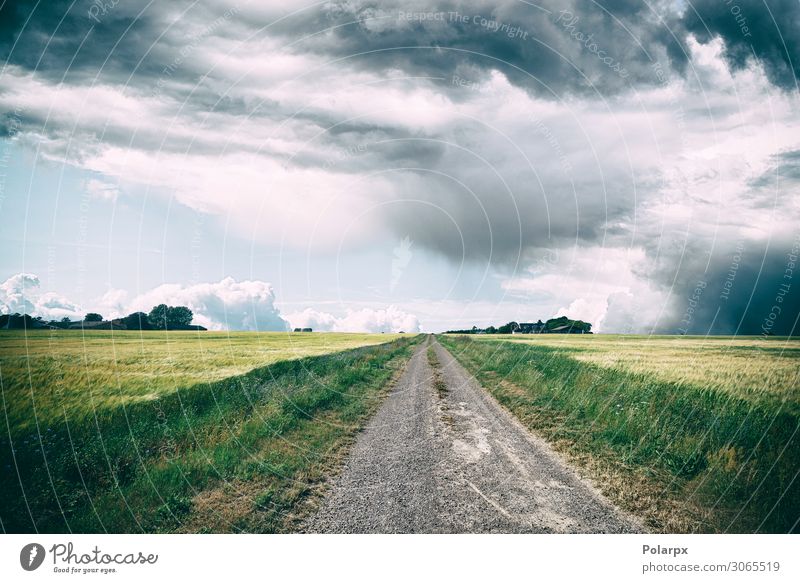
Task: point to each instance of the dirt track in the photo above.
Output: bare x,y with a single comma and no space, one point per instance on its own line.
452,460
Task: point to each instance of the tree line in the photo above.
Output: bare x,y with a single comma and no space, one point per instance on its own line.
560,325
161,317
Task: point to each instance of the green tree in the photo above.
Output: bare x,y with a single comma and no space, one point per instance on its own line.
164,317
93,317
137,321
157,318
179,316
508,328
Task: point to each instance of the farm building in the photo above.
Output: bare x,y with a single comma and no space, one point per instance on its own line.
570,329
117,324
561,325
530,328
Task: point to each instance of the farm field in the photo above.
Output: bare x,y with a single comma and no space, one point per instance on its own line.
75,374
691,434
180,432
748,366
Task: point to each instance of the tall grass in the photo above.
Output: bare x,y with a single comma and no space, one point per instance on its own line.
725,461
175,462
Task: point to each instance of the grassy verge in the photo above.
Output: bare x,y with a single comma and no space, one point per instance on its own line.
686,458
238,454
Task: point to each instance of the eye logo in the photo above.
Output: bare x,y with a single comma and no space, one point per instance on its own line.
31,556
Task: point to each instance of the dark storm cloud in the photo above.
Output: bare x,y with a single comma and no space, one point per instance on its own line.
60,40
500,211
539,47
533,47
549,48
747,288
767,31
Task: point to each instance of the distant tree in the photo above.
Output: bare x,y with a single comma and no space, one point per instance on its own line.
164,317
93,317
157,318
136,321
178,316
65,320
16,321
574,325
509,328
491,330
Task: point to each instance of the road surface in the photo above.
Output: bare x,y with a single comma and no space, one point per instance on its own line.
446,458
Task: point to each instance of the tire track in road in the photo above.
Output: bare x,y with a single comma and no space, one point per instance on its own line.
449,461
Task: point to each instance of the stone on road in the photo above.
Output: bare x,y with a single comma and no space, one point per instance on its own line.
449,459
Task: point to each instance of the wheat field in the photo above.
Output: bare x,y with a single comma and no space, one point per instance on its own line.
71,374
748,366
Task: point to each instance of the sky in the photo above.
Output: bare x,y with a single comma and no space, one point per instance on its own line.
382,166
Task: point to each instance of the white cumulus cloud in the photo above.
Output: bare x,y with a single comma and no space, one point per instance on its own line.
601,285
224,305
21,294
391,319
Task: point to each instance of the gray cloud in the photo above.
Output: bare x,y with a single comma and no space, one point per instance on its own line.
746,288
767,31
133,41
496,187
542,47
784,171
59,40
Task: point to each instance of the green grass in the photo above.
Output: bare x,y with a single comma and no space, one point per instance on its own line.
683,454
241,453
51,375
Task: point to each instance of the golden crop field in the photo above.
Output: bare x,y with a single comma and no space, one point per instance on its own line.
749,366
72,373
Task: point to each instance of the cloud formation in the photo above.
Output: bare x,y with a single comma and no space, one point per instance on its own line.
752,30
223,305
369,320
21,294
489,133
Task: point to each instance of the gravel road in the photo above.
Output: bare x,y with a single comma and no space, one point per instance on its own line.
436,460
